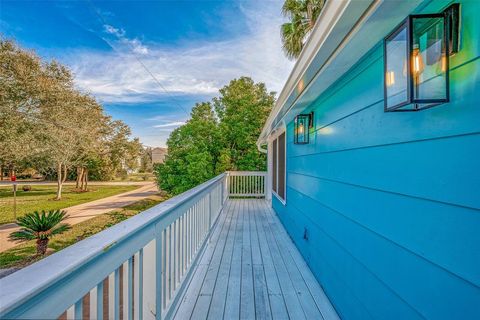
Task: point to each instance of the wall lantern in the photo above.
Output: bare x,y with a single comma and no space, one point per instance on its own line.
303,124
416,60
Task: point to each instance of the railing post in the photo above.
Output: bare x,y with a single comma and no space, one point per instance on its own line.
222,193
210,210
159,272
265,185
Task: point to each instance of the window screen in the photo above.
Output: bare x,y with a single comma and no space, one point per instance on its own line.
274,171
281,166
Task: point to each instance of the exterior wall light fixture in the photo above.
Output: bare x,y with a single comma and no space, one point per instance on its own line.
302,125
416,60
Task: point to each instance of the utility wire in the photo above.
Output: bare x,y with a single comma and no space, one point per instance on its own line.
97,13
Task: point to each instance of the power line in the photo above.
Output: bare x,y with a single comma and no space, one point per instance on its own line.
96,11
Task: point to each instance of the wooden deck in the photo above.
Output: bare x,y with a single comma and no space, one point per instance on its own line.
250,269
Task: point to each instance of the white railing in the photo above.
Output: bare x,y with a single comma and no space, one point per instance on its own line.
247,183
134,270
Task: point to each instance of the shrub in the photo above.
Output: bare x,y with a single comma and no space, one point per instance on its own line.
41,227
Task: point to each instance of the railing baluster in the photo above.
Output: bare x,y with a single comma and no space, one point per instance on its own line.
169,263
137,284
175,255
164,268
79,309
99,304
124,286
111,295
117,294
130,289
71,313
91,306
158,267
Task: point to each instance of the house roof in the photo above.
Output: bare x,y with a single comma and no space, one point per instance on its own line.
344,32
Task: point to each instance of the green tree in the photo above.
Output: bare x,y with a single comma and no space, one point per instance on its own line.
242,109
19,92
192,152
49,125
219,136
302,15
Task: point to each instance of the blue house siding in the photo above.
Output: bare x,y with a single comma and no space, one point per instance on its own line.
391,201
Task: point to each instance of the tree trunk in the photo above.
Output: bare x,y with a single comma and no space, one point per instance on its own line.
85,179
79,177
59,182
1,173
82,179
64,173
42,245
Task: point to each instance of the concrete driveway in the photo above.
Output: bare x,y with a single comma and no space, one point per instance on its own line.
89,210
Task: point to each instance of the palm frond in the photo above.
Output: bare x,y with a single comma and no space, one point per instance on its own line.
36,225
23,234
303,15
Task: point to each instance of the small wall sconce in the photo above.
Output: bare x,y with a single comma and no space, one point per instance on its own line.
302,125
416,60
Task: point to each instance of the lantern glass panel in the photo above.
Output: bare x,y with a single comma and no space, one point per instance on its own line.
429,63
396,71
302,129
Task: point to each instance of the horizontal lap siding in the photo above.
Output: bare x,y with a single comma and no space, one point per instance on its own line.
391,201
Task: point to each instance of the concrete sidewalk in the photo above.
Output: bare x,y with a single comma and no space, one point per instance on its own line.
86,211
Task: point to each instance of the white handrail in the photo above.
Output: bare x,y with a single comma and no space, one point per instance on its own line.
148,257
247,184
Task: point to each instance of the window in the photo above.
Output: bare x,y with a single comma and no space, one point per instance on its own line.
278,168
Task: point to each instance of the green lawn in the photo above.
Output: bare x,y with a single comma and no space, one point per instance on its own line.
24,254
42,198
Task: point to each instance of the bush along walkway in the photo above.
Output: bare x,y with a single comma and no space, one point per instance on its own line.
25,253
86,211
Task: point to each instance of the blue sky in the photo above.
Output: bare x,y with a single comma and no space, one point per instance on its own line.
191,49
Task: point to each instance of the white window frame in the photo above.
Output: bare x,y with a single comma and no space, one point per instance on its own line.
273,137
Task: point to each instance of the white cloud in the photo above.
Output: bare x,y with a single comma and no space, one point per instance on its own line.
199,68
134,45
173,124
115,31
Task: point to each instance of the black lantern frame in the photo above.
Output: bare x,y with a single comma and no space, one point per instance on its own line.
448,46
302,125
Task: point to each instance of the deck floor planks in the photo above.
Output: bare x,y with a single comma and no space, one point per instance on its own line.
277,303
247,296
321,300
251,269
217,304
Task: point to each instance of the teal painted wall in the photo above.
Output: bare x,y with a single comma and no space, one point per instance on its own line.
391,201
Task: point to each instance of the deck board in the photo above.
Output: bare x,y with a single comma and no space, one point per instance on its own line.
250,269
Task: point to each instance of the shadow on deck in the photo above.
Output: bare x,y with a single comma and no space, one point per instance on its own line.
251,269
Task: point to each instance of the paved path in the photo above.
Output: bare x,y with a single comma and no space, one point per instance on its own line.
89,210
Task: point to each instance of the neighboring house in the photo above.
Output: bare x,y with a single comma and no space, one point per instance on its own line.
158,155
384,206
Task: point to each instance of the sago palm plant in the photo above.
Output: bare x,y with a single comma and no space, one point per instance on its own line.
41,227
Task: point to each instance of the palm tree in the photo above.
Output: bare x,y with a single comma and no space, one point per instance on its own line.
40,226
302,14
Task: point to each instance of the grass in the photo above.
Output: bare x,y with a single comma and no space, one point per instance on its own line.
25,253
136,177
42,198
